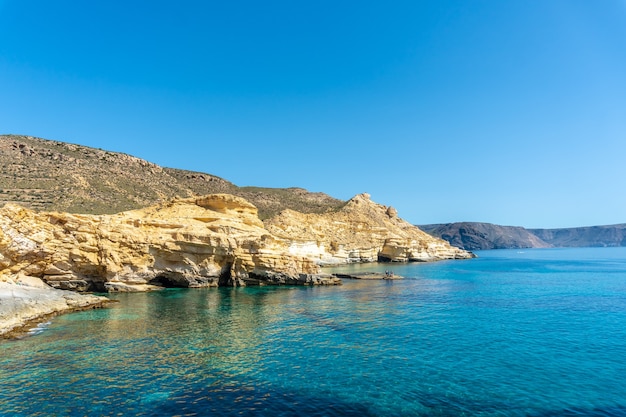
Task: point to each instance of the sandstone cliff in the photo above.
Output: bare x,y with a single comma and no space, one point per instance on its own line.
207,241
213,240
361,231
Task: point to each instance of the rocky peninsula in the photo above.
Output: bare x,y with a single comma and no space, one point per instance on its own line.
484,236
207,241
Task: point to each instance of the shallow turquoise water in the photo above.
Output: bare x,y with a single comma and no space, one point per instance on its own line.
512,333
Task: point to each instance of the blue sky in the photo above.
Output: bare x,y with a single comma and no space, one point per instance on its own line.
508,112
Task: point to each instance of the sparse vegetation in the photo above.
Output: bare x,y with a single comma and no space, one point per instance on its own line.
50,175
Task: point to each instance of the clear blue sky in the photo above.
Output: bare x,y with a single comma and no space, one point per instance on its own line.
509,112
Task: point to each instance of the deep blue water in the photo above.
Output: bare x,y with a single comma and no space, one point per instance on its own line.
513,333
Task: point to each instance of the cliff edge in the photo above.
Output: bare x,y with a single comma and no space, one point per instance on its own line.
206,241
213,240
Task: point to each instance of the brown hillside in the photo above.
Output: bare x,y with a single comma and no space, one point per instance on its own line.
49,175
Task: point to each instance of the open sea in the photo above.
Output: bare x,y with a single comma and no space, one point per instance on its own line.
533,332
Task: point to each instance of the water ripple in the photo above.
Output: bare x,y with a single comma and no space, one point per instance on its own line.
487,337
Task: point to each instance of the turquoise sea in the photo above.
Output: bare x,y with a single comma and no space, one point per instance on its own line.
512,333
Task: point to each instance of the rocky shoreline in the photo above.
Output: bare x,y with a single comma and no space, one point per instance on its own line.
208,241
47,259
30,301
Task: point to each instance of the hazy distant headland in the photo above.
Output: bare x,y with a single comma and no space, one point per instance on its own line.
482,236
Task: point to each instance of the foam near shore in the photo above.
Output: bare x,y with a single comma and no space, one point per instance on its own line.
30,300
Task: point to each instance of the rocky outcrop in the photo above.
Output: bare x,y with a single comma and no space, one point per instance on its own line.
215,240
26,299
361,231
593,236
208,241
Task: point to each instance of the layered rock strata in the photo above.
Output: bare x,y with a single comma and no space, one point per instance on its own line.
361,231
215,240
209,241
26,299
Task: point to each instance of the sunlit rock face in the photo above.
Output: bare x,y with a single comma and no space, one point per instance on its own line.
28,298
361,231
214,240
208,241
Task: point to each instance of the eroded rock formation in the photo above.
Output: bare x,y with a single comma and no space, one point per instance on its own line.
213,240
362,231
209,241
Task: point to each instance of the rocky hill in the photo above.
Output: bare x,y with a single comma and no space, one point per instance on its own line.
481,236
49,175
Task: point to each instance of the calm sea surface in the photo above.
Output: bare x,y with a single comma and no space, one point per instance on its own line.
513,333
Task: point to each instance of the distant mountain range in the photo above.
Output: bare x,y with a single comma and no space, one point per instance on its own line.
481,236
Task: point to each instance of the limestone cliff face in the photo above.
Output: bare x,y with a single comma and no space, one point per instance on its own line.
362,231
213,240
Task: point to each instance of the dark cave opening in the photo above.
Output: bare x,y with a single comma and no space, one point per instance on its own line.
166,282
